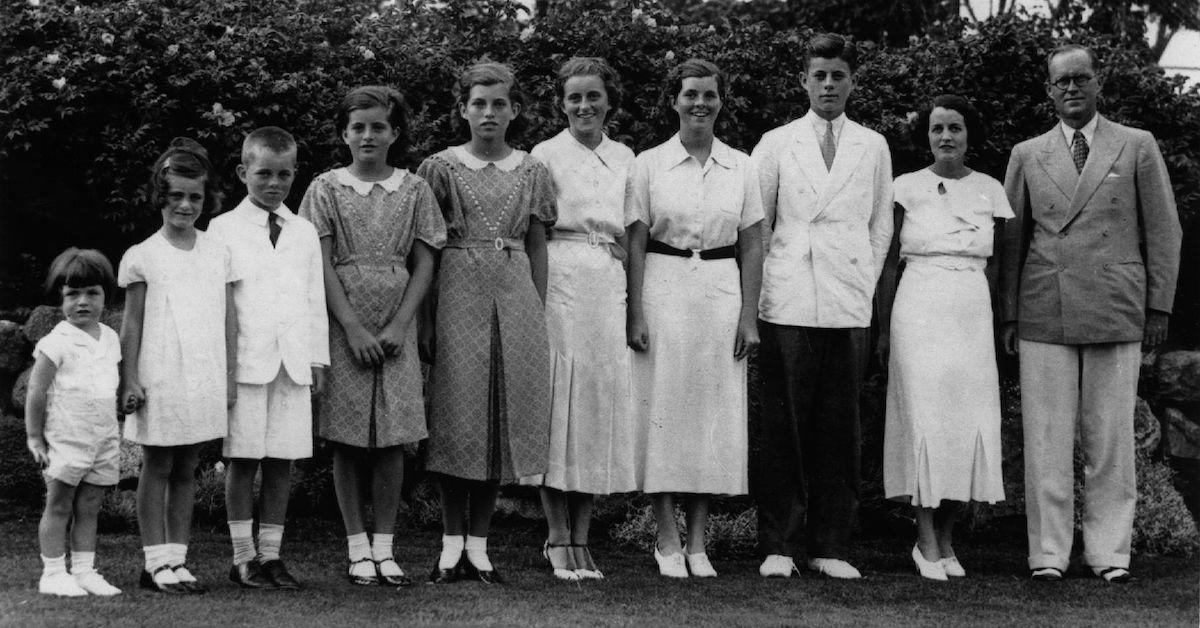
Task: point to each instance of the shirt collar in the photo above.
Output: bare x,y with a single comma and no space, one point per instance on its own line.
76,335
247,210
390,184
607,151
508,164
721,154
1089,130
819,124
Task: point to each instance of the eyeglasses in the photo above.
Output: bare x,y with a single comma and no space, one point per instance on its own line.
1080,81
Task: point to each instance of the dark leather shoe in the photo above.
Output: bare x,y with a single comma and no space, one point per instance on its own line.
444,576
401,580
147,582
248,575
279,576
470,572
191,586
360,580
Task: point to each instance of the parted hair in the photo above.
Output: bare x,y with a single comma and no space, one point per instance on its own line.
185,158
831,46
389,98
489,73
592,66
976,130
692,68
270,138
78,268
1065,48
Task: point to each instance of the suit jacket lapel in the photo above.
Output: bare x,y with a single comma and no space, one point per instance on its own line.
850,151
1106,147
1056,160
806,156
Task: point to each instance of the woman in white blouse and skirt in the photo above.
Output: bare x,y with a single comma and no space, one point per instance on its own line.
695,263
591,428
942,438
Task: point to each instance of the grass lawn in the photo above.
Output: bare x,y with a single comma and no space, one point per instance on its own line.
995,593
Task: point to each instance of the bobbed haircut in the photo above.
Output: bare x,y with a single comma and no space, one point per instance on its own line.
370,97
1068,48
270,138
488,73
831,46
592,66
185,158
78,268
692,68
976,130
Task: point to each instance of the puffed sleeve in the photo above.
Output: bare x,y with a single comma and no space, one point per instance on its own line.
637,192
542,204
752,204
317,207
428,224
132,269
1000,206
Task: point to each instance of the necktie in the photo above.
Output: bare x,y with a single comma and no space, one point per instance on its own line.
828,146
273,227
1079,151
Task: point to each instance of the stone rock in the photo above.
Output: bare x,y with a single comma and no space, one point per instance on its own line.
1182,433
14,348
1175,378
20,387
1146,431
42,319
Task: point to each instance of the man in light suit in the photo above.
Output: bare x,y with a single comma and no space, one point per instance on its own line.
1088,277
827,194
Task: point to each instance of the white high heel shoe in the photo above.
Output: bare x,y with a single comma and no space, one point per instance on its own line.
932,570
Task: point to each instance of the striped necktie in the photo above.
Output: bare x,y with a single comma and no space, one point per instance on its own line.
828,146
1079,151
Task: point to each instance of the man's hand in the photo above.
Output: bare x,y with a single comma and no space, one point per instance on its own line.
1157,324
1008,338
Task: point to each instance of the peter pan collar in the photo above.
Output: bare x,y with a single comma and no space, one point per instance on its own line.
363,188
247,210
508,164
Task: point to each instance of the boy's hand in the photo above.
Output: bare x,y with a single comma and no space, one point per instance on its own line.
37,447
132,397
318,377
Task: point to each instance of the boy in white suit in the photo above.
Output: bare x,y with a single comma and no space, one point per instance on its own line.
283,348
827,194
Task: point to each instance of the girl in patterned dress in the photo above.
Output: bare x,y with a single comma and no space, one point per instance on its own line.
376,222
490,402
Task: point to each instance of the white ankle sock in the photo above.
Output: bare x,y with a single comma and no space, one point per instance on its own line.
176,554
53,565
452,549
241,534
82,562
358,547
270,537
156,556
381,547
477,552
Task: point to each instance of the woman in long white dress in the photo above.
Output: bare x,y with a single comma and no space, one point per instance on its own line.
942,439
591,429
695,265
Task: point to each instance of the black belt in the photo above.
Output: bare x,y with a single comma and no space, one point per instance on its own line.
721,252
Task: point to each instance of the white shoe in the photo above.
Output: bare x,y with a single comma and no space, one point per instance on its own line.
700,567
94,583
931,569
670,566
834,568
61,584
777,566
953,568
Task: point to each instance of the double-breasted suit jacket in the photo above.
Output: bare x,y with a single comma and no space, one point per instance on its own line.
1088,252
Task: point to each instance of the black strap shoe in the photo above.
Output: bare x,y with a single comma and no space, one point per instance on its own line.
278,574
444,576
471,572
147,582
248,575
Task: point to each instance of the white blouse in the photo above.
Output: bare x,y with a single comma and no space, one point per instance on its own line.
949,216
589,185
689,205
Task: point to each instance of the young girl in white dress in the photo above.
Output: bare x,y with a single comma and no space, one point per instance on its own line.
177,339
71,421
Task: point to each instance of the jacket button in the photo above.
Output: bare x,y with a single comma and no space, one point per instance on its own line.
853,260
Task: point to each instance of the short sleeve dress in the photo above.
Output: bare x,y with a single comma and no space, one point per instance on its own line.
690,395
372,225
592,437
942,437
490,399
181,363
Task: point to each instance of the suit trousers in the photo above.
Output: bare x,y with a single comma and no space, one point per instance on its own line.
1090,390
804,445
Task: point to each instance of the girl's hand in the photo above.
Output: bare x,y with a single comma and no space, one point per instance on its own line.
746,341
426,343
318,377
637,335
132,397
391,339
37,447
364,346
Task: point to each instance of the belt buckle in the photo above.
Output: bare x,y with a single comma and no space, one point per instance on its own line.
696,253
498,243
593,238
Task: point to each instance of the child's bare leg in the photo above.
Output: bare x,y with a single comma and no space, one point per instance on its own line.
483,505
347,469
454,511
152,494
276,488
83,522
181,493
239,488
52,529
387,474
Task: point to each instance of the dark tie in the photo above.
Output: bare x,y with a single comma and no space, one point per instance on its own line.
1079,151
828,146
273,227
